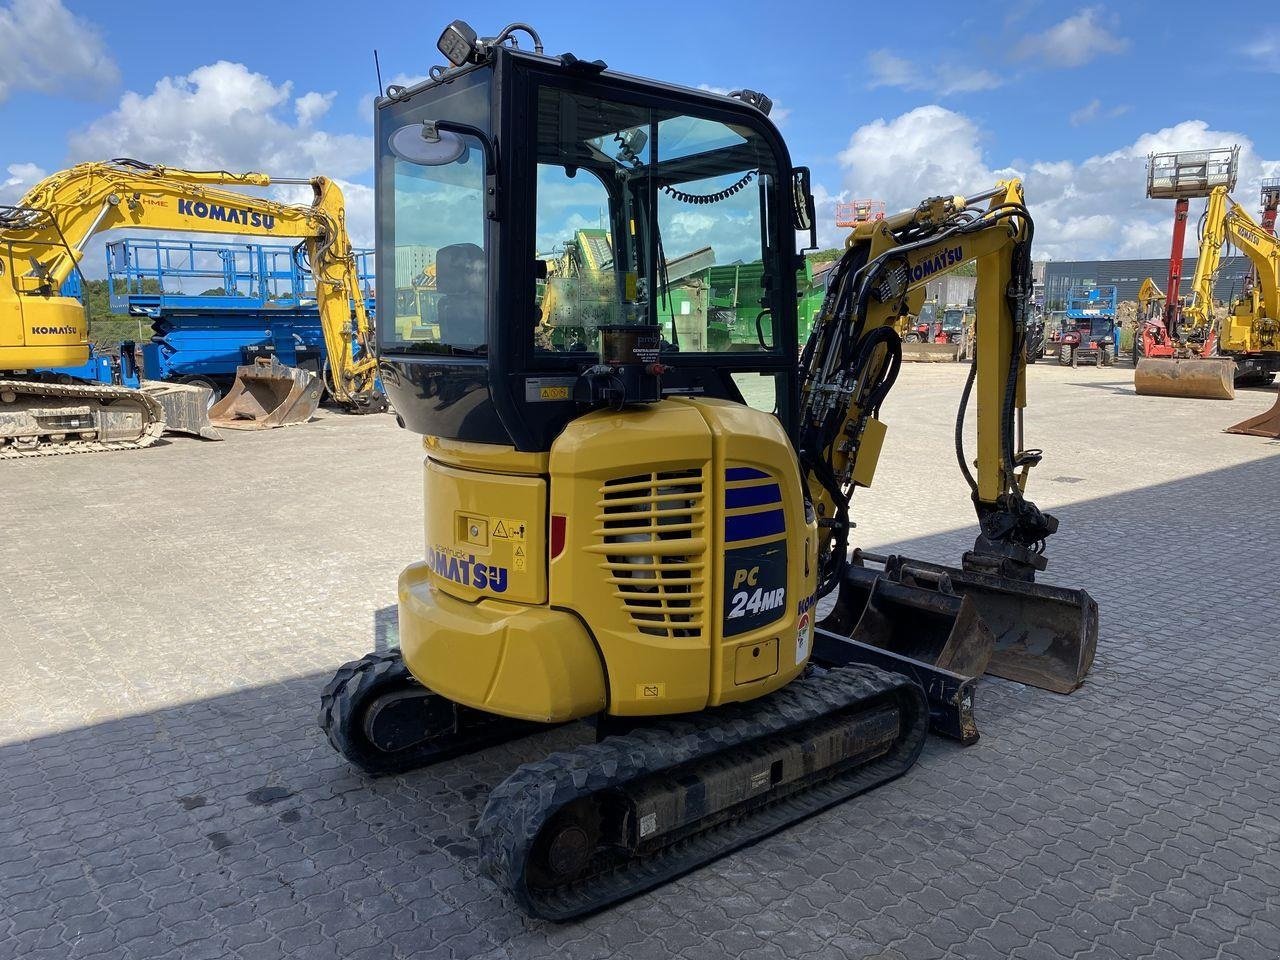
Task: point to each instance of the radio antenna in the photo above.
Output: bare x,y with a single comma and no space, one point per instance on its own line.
377,67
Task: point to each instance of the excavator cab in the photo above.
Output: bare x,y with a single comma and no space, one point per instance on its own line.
551,199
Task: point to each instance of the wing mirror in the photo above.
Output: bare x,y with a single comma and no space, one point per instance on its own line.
803,212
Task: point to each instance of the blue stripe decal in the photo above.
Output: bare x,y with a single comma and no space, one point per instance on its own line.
751,526
752,496
745,473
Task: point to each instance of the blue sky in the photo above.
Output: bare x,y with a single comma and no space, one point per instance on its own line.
893,101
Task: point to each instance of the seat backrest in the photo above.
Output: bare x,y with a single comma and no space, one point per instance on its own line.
460,281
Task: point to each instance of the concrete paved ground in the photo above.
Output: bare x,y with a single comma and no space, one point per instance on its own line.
168,618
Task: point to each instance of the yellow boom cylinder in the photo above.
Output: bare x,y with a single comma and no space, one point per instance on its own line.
1212,378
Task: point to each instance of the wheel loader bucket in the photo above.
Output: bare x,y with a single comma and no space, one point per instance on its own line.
969,622
1208,379
930,352
186,407
267,394
1263,425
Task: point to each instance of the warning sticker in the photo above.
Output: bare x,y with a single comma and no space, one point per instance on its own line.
650,691
804,633
504,528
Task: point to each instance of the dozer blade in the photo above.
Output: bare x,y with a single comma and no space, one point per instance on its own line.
1263,425
186,407
267,394
1205,379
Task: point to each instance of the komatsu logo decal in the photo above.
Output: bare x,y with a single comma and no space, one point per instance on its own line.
225,214
53,331
936,264
462,568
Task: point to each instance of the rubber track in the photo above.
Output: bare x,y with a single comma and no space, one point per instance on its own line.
357,683
524,803
150,434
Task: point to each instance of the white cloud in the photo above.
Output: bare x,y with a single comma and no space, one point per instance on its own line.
20,177
46,48
1264,50
1095,208
311,106
1093,110
1072,42
1087,113
888,70
224,116
925,152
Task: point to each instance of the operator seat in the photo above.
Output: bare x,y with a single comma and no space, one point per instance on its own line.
460,281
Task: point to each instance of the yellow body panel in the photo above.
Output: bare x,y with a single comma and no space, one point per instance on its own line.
486,533
684,577
42,331
519,661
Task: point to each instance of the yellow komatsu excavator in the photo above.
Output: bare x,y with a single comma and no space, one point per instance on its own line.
42,241
624,531
1211,355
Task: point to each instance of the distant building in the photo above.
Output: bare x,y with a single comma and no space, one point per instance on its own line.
950,290
1127,275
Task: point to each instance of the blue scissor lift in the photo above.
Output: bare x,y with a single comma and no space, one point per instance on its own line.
215,306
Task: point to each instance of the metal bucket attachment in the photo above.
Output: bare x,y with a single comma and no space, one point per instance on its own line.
930,623
1263,425
267,394
1212,378
1045,636
1040,635
186,407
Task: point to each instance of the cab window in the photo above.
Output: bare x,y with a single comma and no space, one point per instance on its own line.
650,216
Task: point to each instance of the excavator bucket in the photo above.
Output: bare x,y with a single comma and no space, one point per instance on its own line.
934,626
969,623
1263,425
1212,378
186,407
267,394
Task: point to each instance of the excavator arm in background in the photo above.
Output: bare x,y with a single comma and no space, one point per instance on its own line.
43,240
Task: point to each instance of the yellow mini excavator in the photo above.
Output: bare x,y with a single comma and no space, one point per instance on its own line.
42,241
622,530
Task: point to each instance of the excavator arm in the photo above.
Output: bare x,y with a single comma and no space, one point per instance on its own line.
854,355
43,240
989,614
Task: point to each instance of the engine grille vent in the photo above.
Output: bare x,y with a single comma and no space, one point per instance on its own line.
650,530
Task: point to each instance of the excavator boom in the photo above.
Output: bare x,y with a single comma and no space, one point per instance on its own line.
42,243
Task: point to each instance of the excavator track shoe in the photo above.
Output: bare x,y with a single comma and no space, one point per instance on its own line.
586,828
41,419
1263,425
383,721
1212,378
268,394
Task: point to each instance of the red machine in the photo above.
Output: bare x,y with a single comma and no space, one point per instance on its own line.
1181,176
858,211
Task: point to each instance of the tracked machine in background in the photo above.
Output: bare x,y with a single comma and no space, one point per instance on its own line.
1179,347
50,400
614,533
